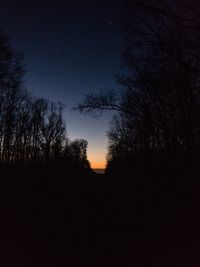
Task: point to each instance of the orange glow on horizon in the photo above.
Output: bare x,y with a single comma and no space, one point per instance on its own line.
97,165
97,159
97,154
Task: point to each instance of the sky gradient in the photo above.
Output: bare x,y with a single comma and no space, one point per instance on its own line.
70,49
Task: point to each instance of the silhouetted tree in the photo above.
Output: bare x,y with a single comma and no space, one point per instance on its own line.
38,111
31,129
159,107
76,152
11,94
52,128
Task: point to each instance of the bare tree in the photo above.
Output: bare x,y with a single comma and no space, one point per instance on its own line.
160,103
11,90
53,128
31,129
76,152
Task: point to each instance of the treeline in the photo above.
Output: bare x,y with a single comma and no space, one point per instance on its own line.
158,109
32,129
161,93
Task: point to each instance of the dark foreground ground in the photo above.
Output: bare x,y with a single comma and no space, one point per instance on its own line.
53,219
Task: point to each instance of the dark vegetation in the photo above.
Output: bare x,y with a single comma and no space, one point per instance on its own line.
158,108
154,137
145,210
32,130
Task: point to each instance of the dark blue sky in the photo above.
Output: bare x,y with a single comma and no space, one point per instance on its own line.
70,48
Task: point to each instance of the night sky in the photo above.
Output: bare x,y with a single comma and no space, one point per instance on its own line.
70,48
